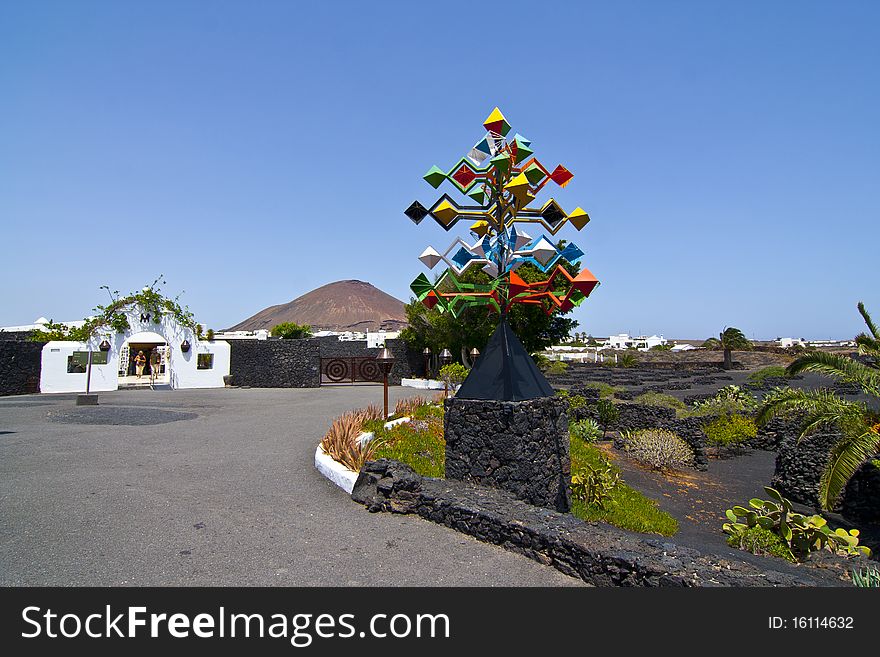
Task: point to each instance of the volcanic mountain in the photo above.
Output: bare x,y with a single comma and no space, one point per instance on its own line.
339,306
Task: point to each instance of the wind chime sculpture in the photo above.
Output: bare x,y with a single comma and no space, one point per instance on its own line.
501,177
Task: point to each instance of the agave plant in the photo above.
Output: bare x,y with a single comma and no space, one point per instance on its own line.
859,426
729,339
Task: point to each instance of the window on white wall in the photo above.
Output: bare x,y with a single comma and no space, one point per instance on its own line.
205,361
78,362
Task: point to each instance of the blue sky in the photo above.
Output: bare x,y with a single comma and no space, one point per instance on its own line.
728,153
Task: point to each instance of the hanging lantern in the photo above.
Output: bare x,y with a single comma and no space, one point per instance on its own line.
184,346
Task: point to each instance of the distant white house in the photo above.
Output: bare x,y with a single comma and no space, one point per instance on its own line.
641,342
787,343
684,346
184,361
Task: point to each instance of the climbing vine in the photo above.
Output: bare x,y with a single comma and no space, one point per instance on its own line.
113,315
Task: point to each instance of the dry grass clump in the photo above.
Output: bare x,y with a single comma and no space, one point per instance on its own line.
658,449
409,405
341,442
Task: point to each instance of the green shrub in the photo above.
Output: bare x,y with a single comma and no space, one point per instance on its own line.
606,390
661,347
595,485
774,371
587,430
557,367
626,508
291,331
867,578
210,335
453,374
609,414
627,360
801,534
730,430
658,449
660,399
762,542
418,443
576,401
729,399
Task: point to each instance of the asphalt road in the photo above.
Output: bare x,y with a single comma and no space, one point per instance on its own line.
210,487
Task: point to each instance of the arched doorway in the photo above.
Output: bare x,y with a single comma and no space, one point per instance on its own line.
154,351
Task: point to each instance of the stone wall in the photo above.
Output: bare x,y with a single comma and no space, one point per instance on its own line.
799,467
297,363
20,365
275,363
599,554
643,416
861,499
521,446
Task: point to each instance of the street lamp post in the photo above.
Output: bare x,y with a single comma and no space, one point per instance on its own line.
426,353
445,358
385,360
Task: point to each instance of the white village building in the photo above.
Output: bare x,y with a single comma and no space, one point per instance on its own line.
184,361
641,342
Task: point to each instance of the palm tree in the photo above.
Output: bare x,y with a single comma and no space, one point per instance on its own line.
859,426
729,339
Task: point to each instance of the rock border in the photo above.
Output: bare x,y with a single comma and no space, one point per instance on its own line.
595,552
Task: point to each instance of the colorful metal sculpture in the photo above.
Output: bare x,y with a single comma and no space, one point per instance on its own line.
502,176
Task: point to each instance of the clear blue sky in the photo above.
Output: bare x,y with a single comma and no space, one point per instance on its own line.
728,153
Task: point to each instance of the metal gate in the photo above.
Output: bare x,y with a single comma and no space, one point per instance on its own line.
354,369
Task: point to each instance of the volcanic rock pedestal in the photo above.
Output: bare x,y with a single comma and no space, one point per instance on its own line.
520,446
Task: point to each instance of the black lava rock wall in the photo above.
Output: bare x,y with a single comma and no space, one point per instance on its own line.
20,366
520,446
275,363
297,363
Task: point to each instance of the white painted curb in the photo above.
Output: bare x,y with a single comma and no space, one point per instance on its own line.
338,473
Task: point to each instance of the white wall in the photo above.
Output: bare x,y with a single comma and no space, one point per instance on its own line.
184,366
54,376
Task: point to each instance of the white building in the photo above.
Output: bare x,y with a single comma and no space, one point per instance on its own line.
787,343
184,360
641,342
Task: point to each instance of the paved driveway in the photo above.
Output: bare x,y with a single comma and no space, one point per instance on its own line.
210,487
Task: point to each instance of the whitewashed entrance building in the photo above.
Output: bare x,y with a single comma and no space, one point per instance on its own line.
184,360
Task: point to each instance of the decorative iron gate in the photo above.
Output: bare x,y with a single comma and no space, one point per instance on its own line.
355,369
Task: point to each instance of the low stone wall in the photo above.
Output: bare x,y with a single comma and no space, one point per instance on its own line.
799,467
275,363
643,416
20,366
599,554
521,446
861,499
297,363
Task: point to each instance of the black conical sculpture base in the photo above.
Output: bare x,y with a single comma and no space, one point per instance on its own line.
504,371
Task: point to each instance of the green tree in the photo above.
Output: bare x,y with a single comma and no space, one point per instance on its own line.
730,339
858,424
291,330
473,327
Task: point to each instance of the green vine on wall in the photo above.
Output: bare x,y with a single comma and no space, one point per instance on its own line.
113,315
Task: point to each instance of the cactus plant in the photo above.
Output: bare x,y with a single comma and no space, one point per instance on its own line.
802,534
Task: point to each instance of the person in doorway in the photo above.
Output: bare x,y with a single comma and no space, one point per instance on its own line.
155,361
139,361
